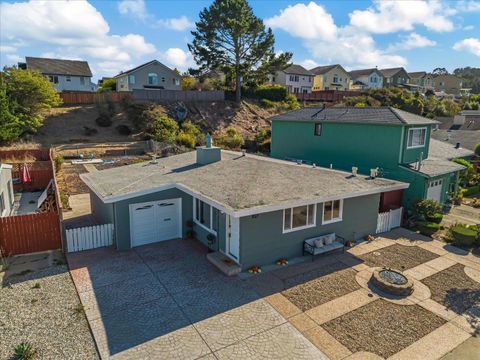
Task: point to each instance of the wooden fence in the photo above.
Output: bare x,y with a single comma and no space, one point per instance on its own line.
91,97
36,154
159,95
326,95
89,237
389,220
41,172
23,234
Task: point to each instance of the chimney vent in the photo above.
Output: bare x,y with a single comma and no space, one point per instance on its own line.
208,154
354,170
457,145
373,173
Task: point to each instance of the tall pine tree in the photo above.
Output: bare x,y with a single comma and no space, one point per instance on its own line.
230,36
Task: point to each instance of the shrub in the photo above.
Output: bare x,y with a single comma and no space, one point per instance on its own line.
463,235
436,218
186,139
425,208
25,351
123,130
162,128
477,149
271,92
104,120
428,228
263,141
267,104
59,160
232,140
471,190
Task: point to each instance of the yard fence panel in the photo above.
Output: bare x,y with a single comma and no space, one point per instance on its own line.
160,95
89,237
388,220
23,234
91,97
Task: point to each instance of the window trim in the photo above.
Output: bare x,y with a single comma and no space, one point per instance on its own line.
424,137
292,229
153,75
315,132
334,220
210,230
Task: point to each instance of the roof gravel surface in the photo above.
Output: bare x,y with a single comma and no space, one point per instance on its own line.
236,182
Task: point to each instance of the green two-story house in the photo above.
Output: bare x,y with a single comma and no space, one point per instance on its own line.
395,143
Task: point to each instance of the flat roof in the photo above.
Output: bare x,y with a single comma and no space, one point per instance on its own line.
436,167
367,115
444,150
239,185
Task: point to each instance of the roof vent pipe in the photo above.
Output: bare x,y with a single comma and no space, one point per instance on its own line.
354,170
457,145
373,173
244,152
331,166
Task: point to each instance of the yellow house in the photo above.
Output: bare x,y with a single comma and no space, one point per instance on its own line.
330,77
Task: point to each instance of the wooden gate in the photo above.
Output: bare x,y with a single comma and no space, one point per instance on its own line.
89,237
389,220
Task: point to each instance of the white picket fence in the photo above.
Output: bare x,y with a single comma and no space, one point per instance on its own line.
389,220
89,237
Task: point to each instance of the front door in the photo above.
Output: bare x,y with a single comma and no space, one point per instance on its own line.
434,191
233,237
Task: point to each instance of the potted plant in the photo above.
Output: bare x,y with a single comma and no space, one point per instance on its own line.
210,240
282,262
255,270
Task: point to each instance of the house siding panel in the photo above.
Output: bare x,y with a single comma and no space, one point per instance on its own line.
102,212
262,241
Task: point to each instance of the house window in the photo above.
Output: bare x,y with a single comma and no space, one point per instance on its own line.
131,79
332,211
296,90
53,79
294,78
416,137
309,79
300,217
68,78
205,216
273,78
335,78
152,79
176,81
318,129
82,80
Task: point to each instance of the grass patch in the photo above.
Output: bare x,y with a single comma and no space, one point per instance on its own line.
37,285
25,351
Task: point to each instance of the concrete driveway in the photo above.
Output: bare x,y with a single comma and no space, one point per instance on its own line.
166,301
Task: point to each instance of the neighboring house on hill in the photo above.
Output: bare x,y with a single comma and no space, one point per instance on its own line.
151,75
395,77
423,80
6,190
449,84
330,77
366,79
65,75
394,141
295,78
211,193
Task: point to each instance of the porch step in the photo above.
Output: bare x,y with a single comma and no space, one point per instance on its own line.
224,263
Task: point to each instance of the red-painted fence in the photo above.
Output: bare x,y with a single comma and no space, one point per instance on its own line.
326,95
91,97
23,234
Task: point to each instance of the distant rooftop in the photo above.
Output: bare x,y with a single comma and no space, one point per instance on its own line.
319,70
236,183
58,66
298,70
390,72
444,150
360,72
366,115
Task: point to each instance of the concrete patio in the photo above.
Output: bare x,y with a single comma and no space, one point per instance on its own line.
166,300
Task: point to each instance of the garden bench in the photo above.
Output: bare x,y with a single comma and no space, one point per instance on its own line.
336,242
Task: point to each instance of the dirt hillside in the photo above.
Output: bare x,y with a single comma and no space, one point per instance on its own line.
70,124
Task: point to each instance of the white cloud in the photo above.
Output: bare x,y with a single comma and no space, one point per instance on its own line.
468,27
181,23
308,63
135,8
73,28
470,45
14,58
305,21
392,16
412,41
7,49
178,58
468,6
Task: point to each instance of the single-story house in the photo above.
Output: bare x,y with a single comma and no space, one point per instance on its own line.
6,190
151,75
65,75
256,209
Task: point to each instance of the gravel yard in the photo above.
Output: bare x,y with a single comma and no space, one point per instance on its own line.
398,257
42,308
454,289
323,289
382,327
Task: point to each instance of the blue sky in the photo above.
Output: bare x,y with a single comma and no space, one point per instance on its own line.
116,35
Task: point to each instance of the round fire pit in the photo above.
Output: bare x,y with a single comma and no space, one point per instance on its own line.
392,282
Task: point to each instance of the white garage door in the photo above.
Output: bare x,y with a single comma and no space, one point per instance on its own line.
434,191
155,221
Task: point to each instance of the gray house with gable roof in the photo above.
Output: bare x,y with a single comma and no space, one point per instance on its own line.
295,78
252,210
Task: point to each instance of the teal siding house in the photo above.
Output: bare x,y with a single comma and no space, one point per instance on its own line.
247,209
395,143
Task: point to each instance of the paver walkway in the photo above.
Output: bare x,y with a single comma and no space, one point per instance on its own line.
166,301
